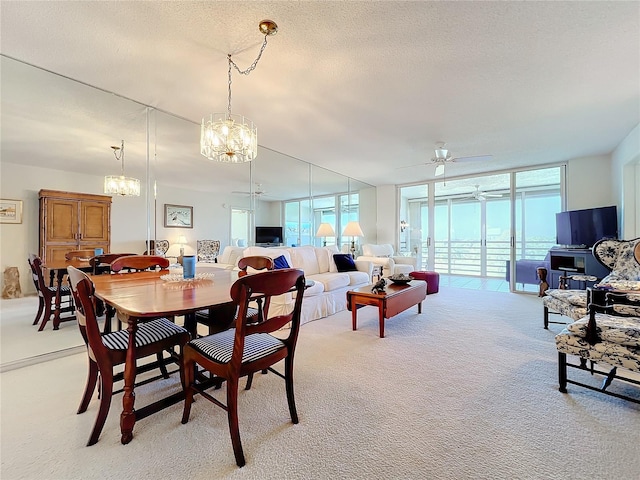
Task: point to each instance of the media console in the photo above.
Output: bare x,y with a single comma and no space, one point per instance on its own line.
568,261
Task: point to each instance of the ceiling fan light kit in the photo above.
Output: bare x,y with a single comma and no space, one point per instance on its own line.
229,138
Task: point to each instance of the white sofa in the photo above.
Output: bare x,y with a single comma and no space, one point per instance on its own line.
328,295
383,255
227,260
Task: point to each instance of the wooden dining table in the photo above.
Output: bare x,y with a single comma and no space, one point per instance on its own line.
57,270
144,295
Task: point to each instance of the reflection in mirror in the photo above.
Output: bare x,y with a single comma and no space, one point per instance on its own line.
74,126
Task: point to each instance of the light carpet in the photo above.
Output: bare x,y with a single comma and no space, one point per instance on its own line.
466,390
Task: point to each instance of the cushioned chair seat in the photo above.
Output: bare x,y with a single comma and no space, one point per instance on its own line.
567,309
574,297
607,352
611,328
219,347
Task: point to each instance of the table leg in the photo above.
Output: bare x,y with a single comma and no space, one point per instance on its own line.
56,310
420,307
381,319
128,415
354,313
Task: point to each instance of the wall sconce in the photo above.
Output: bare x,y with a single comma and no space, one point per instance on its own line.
325,230
353,230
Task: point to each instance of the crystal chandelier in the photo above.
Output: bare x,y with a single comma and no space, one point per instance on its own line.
119,184
233,138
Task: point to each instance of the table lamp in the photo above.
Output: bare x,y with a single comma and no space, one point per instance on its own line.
353,230
325,230
182,241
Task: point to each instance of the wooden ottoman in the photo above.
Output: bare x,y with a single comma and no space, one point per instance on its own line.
432,279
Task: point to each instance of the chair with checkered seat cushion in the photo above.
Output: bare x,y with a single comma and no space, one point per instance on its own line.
248,348
105,351
47,296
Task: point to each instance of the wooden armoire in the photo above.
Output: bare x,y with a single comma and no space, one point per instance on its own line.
73,221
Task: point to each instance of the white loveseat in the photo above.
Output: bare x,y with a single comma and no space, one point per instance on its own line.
383,255
328,295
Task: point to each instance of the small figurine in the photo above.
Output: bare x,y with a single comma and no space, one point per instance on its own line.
378,287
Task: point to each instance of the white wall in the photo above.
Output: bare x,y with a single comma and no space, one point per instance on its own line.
128,215
589,183
626,182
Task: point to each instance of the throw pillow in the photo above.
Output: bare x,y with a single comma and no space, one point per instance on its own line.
344,262
280,262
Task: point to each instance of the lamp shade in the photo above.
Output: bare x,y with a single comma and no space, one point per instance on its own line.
325,230
182,240
353,230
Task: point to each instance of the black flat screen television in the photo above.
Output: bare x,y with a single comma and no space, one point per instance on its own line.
583,228
269,235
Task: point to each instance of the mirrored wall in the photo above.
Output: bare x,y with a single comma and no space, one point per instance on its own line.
57,134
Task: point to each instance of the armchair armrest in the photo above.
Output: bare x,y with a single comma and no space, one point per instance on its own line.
386,262
364,266
405,261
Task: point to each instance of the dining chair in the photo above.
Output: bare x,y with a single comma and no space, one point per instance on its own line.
248,348
128,264
79,254
138,263
47,295
105,351
157,247
220,318
102,263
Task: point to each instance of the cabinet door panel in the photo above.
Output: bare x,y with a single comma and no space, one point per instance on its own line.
62,221
94,222
55,253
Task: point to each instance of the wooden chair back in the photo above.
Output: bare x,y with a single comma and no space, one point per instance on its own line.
79,254
83,291
256,262
102,263
138,263
36,274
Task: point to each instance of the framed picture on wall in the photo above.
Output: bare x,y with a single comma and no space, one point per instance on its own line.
10,211
178,216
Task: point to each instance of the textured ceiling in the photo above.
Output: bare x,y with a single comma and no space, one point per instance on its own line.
361,87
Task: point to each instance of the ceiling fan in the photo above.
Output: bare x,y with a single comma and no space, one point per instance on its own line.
443,156
482,196
258,191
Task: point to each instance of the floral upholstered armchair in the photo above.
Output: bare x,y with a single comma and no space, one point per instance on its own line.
383,255
621,257
207,250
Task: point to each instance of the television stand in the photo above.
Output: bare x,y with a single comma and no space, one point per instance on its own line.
573,261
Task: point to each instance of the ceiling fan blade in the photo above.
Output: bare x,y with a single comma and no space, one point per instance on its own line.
473,157
409,166
439,170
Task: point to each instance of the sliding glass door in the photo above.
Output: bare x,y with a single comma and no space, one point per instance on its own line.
482,226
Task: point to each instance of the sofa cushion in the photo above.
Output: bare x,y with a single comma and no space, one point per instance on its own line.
207,258
325,258
358,278
316,289
332,281
305,258
230,255
280,262
344,262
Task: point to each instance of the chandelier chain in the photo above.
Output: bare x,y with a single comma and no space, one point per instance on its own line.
243,72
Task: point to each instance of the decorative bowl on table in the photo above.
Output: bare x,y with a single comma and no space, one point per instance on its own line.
179,277
400,278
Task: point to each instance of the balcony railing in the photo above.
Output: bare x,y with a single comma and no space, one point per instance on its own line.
466,258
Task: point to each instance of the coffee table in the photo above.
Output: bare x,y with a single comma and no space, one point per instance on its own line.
396,299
